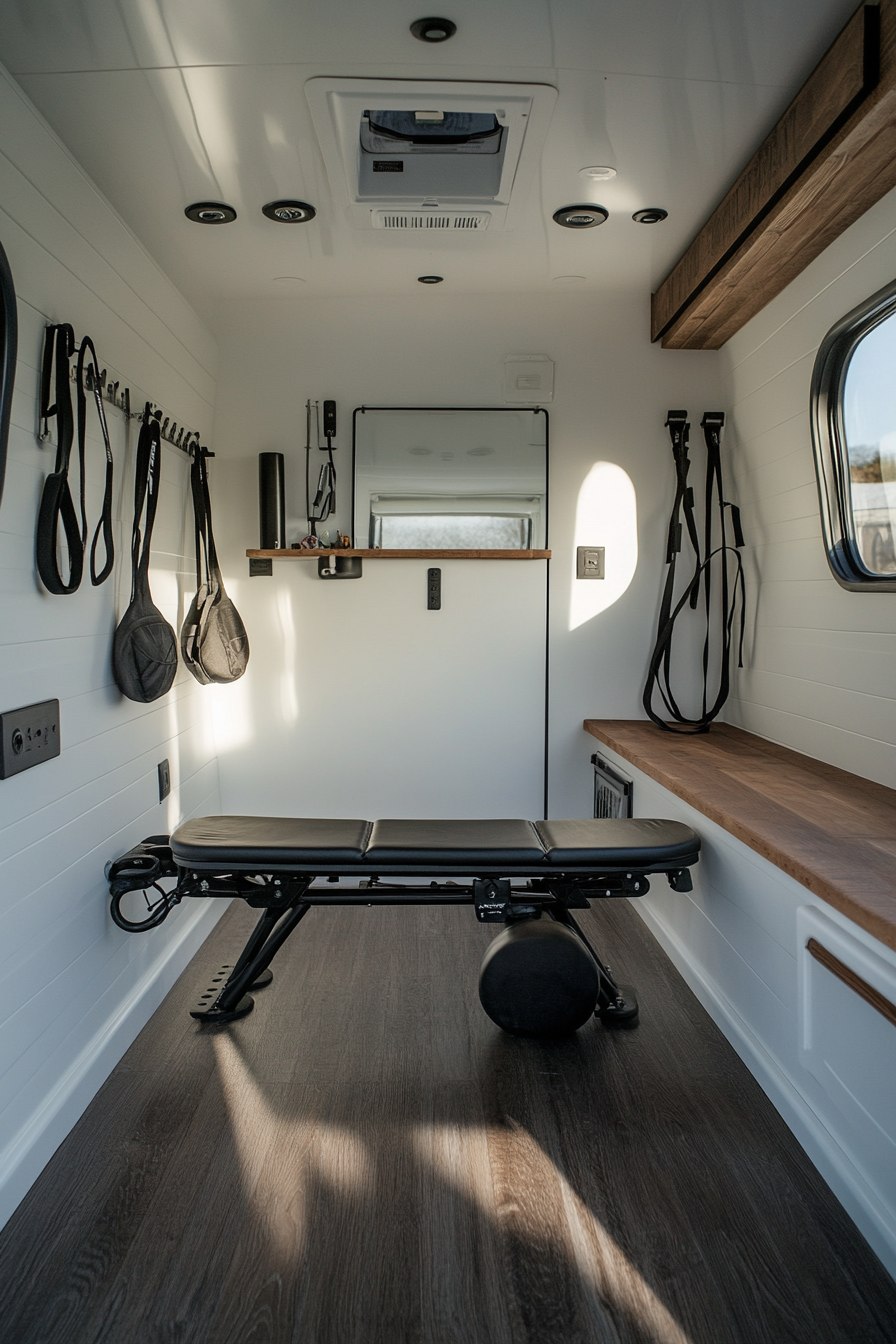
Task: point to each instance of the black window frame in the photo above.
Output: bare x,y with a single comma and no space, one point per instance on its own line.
830,447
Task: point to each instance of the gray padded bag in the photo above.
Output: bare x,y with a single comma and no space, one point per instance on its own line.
144,649
213,639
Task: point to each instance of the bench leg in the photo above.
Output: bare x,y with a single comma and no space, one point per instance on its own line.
617,1005
251,969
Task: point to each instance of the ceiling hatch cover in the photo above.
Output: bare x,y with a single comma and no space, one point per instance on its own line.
442,156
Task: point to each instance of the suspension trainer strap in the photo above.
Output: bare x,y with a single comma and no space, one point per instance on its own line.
56,502
146,490
731,582
679,431
90,374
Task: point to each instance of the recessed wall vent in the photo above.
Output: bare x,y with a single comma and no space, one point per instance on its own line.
453,220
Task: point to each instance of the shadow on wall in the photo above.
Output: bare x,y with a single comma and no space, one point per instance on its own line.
606,515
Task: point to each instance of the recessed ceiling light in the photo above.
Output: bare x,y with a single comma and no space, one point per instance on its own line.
289,212
581,216
430,279
289,280
210,212
652,216
568,279
433,30
598,173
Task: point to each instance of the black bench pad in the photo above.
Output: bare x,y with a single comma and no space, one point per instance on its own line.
510,847
278,842
454,842
635,840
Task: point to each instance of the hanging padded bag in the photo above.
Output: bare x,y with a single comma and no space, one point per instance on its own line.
9,338
213,640
144,650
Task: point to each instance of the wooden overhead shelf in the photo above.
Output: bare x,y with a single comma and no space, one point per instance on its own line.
829,159
402,555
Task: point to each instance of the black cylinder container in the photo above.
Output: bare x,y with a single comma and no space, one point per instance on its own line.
271,502
538,979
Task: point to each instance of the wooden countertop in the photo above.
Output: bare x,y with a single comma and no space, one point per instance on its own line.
830,830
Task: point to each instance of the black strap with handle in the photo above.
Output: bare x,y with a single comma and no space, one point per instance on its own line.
731,581
90,379
56,503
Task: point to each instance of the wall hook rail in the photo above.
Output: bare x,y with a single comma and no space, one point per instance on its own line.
119,396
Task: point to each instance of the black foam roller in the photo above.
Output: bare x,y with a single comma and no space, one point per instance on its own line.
271,502
538,979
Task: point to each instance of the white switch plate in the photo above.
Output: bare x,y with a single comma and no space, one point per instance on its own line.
589,562
529,379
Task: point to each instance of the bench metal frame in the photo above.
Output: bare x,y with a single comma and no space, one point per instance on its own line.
286,895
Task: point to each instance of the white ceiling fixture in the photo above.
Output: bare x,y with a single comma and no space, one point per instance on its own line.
444,156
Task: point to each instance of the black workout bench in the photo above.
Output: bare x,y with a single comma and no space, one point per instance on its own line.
539,977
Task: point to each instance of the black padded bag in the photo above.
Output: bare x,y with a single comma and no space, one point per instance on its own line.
144,650
213,639
9,339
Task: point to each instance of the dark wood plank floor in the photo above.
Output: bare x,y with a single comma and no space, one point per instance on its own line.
366,1159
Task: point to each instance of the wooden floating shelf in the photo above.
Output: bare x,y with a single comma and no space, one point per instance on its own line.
829,159
401,555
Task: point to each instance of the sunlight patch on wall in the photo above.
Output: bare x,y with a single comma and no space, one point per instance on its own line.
229,708
172,802
289,703
606,515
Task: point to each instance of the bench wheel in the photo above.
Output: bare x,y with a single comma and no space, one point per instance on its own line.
537,979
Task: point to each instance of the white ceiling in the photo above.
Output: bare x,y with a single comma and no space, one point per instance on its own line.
167,102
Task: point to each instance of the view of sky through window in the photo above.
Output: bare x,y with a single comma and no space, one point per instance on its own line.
869,414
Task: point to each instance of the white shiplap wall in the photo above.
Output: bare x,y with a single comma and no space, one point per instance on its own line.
819,663
75,990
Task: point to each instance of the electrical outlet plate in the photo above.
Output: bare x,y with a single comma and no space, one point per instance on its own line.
434,590
28,736
589,562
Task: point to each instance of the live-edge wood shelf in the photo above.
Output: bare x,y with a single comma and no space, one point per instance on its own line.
834,832
401,555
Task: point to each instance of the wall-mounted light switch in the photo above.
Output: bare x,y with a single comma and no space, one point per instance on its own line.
434,590
589,562
164,779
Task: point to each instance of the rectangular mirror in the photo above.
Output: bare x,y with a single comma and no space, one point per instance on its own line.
450,479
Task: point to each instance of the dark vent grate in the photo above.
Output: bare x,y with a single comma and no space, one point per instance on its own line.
612,791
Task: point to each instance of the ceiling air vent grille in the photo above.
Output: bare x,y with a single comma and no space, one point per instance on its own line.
469,221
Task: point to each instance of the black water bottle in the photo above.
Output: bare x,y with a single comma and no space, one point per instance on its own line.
271,502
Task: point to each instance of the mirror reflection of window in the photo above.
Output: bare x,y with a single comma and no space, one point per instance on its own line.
869,415
450,479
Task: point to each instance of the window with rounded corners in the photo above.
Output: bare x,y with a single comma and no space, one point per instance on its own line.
853,418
